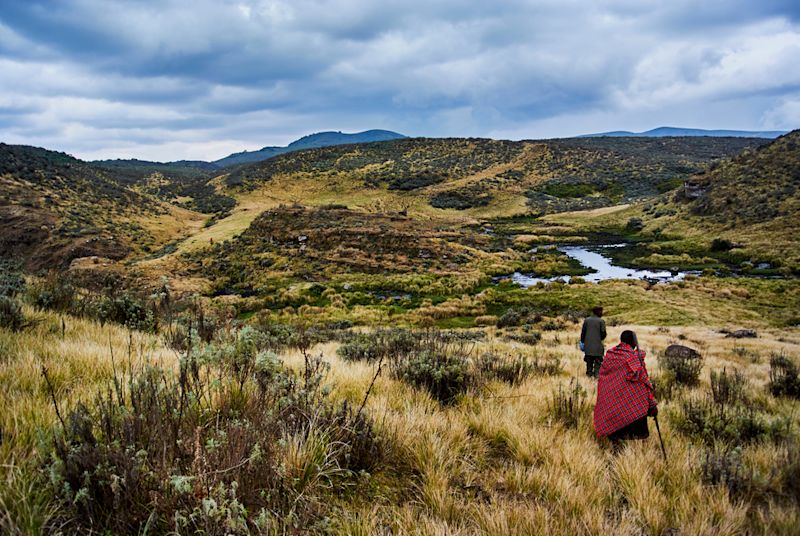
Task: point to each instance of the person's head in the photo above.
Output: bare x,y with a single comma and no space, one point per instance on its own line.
629,338
597,311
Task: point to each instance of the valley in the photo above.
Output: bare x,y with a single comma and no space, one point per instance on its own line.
334,339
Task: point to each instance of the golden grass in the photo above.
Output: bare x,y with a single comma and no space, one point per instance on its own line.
492,464
498,466
78,364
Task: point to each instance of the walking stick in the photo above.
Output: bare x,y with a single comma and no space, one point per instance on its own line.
660,439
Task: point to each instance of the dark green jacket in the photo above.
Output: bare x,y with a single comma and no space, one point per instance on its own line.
593,333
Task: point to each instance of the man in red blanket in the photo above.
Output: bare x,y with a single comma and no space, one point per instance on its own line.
624,393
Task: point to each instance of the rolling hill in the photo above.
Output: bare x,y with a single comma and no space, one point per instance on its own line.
480,175
677,131
56,208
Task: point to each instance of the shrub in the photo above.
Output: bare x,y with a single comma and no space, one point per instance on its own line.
385,343
11,316
55,293
212,450
685,368
12,282
512,317
530,337
568,406
445,376
723,466
634,225
728,388
783,377
721,244
709,421
514,369
125,309
664,385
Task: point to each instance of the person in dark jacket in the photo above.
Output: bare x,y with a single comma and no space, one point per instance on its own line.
625,396
593,333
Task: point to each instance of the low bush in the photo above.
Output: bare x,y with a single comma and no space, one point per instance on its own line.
11,316
56,294
664,385
514,368
721,244
235,443
728,389
723,466
783,377
708,421
12,281
530,337
383,343
444,375
685,368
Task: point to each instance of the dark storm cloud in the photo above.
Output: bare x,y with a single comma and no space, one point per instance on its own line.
172,79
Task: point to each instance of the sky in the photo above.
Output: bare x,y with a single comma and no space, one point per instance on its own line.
200,79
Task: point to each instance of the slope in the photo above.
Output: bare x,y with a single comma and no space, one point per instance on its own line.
56,208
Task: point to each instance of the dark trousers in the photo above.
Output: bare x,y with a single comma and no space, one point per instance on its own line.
635,430
593,363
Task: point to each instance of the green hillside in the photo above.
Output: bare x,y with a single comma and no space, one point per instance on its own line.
56,208
551,175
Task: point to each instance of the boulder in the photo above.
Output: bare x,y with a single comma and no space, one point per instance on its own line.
743,334
694,189
682,352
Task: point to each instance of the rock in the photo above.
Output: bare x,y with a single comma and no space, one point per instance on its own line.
743,334
682,352
694,189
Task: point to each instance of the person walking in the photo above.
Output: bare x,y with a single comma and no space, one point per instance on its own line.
593,333
625,396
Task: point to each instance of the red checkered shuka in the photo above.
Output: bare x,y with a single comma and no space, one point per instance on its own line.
624,391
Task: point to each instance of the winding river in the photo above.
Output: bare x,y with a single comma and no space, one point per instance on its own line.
604,269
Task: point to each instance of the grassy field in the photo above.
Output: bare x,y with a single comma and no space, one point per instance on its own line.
497,461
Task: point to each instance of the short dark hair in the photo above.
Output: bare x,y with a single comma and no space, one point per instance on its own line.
597,311
629,338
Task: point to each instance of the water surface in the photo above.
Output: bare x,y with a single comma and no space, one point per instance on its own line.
602,266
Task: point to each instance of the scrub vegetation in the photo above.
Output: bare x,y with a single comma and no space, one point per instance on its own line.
329,341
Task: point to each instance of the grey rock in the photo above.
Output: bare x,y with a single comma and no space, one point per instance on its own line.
681,351
743,334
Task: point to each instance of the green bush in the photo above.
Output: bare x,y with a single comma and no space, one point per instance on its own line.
783,377
56,293
728,388
12,281
384,343
526,337
11,316
212,450
445,376
709,421
685,369
125,309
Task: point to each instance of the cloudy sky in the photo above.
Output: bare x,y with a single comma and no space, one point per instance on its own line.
200,79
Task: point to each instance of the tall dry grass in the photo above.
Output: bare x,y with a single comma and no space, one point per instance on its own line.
496,462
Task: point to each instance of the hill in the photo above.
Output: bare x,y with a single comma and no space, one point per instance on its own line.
742,210
56,208
674,131
481,175
320,139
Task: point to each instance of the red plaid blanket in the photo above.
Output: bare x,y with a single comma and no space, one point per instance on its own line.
624,392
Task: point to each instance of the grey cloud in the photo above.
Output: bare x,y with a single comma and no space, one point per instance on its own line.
213,74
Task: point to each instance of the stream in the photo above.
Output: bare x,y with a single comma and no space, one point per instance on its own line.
593,259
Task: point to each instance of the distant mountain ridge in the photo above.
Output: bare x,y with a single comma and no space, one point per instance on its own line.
311,141
662,132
